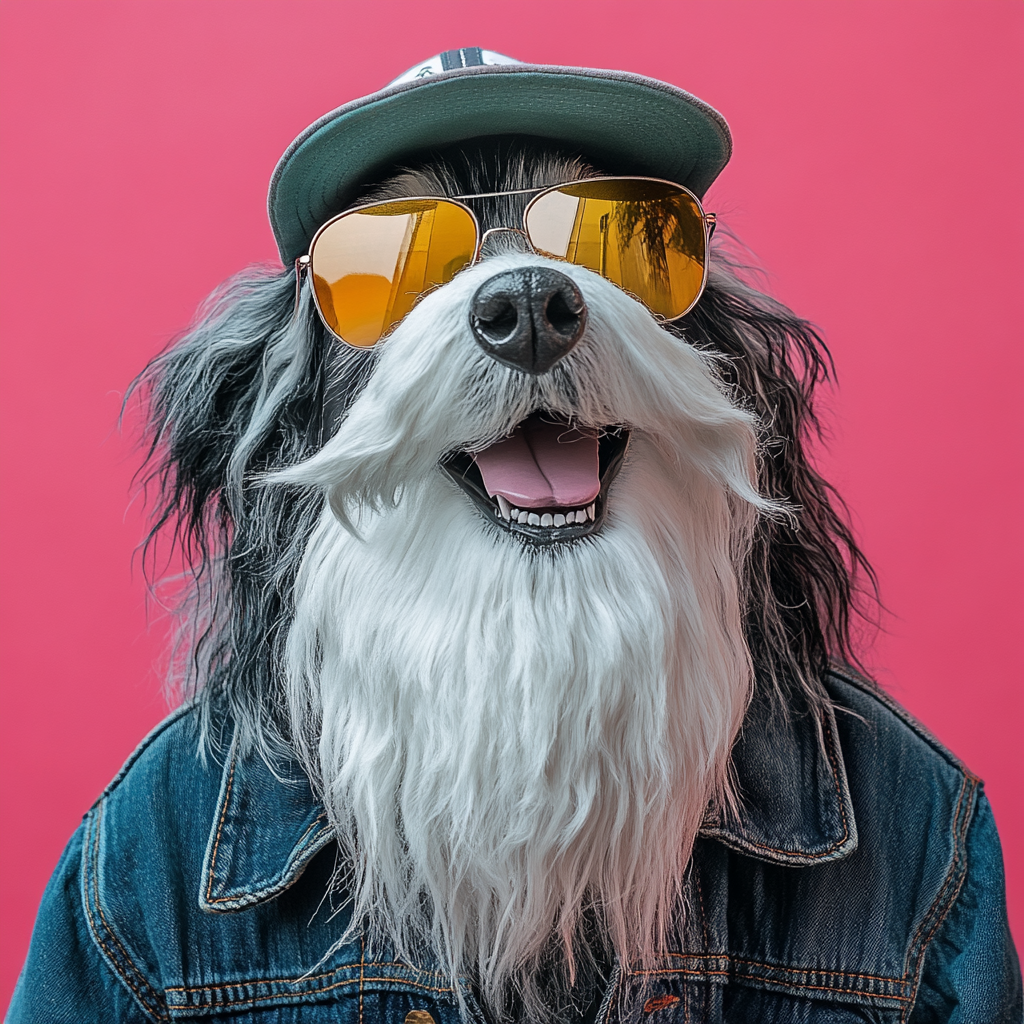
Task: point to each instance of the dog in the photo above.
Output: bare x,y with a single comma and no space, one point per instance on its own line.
444,669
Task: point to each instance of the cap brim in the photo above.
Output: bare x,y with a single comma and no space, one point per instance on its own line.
625,123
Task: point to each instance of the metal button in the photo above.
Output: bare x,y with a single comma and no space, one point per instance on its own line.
418,1017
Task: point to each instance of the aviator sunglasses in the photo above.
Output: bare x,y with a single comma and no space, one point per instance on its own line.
371,264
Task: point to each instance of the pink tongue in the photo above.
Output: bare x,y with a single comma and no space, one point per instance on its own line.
541,465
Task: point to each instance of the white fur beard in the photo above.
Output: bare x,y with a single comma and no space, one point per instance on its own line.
508,737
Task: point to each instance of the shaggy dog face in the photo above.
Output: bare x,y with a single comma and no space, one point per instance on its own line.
514,722
517,725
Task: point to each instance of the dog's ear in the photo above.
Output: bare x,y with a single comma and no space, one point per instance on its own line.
806,577
243,392
240,393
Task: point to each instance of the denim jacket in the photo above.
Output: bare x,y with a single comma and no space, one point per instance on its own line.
863,883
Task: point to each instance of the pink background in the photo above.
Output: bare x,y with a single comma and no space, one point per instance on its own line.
138,140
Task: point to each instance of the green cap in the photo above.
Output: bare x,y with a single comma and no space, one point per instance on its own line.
624,123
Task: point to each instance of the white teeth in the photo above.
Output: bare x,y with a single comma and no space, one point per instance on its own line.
580,515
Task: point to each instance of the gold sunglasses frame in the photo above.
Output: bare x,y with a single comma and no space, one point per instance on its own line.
303,264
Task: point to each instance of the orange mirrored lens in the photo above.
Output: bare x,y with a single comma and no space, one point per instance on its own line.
645,236
370,266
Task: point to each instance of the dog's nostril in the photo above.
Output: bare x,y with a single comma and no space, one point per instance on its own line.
496,317
529,317
563,318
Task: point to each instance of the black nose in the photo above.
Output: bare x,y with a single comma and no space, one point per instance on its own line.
528,318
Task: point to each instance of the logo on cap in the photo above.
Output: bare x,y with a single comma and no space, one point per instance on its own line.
453,60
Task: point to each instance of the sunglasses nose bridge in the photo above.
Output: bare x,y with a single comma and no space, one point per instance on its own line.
499,241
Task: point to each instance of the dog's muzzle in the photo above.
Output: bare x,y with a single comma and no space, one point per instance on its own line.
547,482
528,318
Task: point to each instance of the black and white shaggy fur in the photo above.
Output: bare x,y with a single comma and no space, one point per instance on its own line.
517,744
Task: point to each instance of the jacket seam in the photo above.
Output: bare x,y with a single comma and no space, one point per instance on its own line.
303,978
877,694
248,1000
948,891
952,866
362,973
799,971
147,741
788,970
220,828
773,981
149,999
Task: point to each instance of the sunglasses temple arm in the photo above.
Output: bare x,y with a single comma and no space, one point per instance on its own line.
711,220
301,265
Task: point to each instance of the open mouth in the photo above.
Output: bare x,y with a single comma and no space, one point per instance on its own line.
547,481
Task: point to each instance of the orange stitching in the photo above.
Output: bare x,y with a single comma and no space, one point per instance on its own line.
93,891
295,981
320,817
949,874
872,690
773,981
959,828
220,826
238,896
961,855
362,964
154,996
301,994
779,967
99,906
952,866
959,850
660,973
87,854
775,967
797,970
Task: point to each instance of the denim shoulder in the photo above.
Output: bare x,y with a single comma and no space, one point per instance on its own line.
109,912
967,967
143,921
971,971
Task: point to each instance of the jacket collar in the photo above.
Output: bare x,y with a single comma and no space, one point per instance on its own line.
796,809
792,784
267,827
